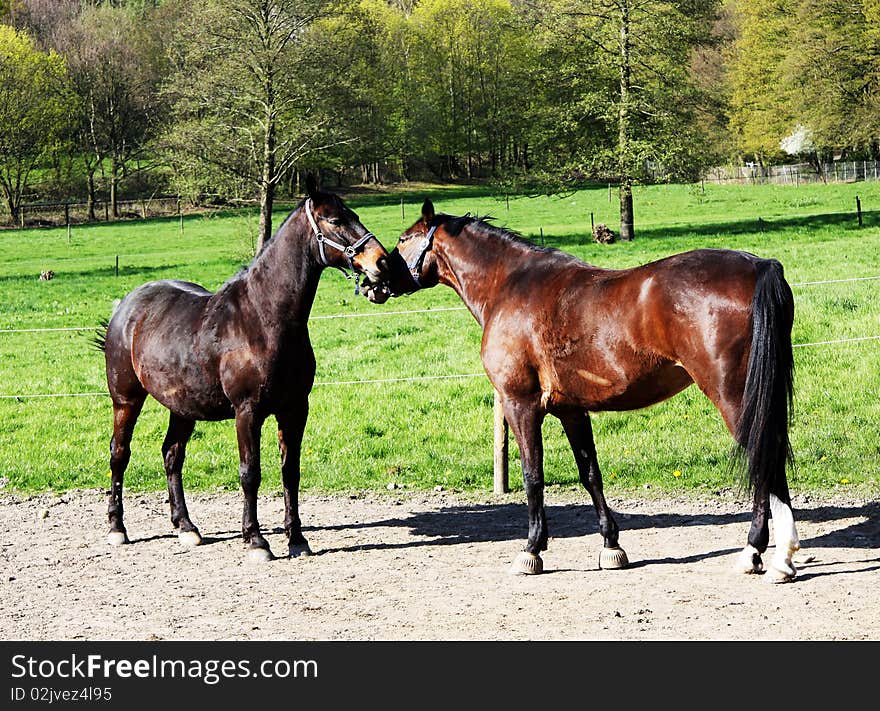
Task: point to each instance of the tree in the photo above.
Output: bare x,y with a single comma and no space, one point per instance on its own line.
760,109
469,63
34,103
806,66
834,63
633,86
241,113
357,61
115,70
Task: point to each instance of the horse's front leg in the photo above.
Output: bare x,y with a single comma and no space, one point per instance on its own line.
247,428
291,426
579,431
525,420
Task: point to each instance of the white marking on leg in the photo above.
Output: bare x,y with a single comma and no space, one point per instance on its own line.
785,534
748,561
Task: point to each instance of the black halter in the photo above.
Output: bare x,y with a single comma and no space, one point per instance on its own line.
415,266
350,251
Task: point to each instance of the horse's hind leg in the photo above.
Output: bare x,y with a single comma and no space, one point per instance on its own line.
174,452
291,426
775,503
579,431
247,428
785,535
125,414
771,498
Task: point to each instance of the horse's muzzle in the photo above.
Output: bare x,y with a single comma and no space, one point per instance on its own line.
375,281
396,279
376,291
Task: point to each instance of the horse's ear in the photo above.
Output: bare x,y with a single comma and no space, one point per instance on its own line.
311,186
428,211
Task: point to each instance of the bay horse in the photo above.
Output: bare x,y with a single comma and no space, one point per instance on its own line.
566,338
242,352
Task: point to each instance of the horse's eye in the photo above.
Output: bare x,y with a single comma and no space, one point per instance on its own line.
333,220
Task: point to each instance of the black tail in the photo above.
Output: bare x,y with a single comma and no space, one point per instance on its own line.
99,339
762,431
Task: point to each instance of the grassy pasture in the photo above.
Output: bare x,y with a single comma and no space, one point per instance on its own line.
420,434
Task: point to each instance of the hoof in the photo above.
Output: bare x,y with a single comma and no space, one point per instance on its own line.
189,539
527,564
775,575
259,555
613,559
299,550
117,538
780,572
749,562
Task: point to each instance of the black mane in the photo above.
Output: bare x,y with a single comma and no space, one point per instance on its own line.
481,226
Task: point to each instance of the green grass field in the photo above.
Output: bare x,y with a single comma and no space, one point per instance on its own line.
419,434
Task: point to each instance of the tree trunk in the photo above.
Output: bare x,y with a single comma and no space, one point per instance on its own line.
14,209
626,211
623,135
267,198
90,198
114,185
267,184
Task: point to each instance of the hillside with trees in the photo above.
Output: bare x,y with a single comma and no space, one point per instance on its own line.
236,100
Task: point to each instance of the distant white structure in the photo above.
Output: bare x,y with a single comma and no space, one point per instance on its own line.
799,141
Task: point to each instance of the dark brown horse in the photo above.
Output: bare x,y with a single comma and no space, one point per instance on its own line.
565,338
242,352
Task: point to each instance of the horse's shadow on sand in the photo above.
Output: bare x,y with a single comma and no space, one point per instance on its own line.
482,523
490,523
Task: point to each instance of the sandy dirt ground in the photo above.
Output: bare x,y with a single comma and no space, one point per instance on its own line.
430,566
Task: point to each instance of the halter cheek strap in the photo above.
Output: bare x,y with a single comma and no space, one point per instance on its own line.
415,266
350,251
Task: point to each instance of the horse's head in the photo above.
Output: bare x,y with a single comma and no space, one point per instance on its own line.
412,265
343,242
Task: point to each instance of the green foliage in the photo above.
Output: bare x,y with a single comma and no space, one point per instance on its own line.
588,121
34,111
805,63
116,64
237,91
239,99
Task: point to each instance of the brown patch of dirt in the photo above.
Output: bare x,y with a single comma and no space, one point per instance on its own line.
429,566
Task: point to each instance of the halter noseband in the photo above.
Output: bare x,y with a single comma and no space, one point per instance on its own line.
350,251
415,266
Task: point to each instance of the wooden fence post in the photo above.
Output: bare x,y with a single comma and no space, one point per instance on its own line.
501,482
859,209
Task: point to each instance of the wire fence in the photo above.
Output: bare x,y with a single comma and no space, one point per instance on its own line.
402,379
54,214
380,313
795,174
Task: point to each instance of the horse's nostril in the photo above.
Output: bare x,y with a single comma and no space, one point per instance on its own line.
382,265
